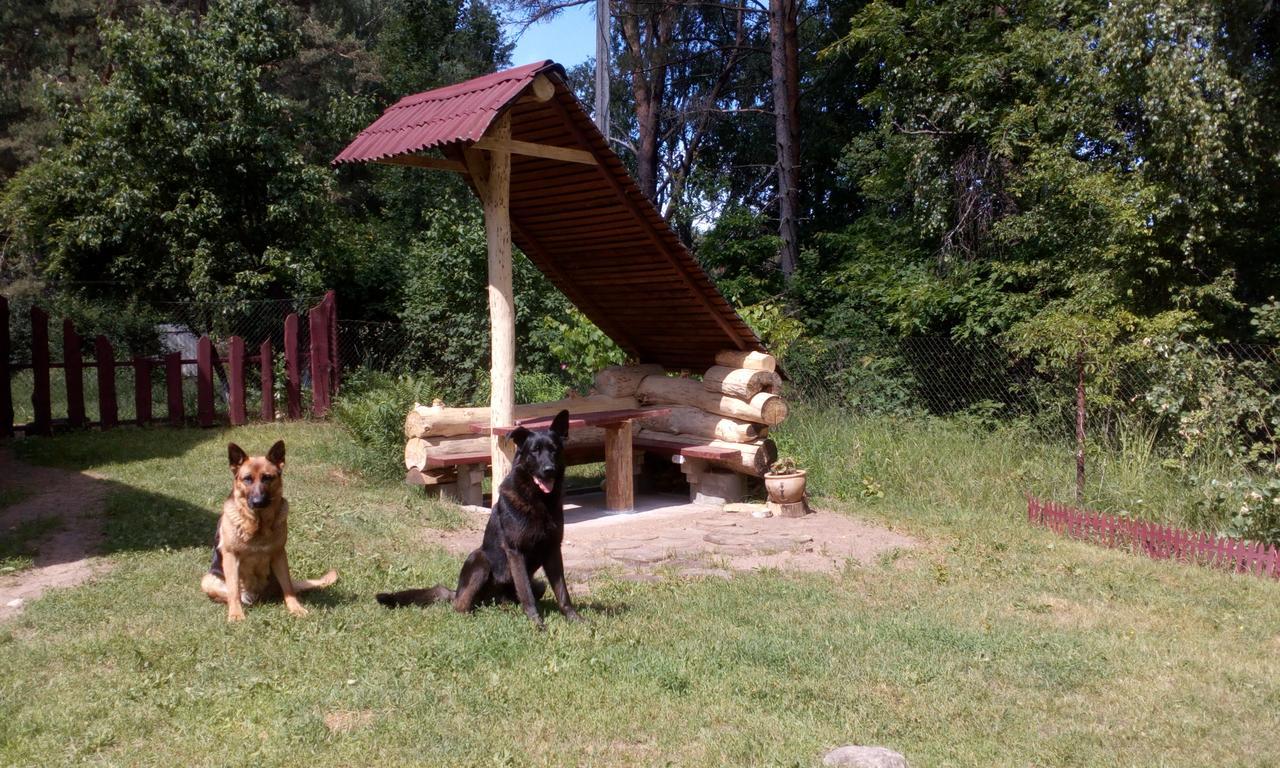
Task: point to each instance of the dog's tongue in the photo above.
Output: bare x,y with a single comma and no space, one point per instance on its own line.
543,484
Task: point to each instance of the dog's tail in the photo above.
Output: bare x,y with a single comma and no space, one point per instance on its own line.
437,594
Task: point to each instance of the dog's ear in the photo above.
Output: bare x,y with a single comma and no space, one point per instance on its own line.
519,435
276,454
560,425
236,455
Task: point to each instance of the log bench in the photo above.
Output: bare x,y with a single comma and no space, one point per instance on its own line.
707,484
470,469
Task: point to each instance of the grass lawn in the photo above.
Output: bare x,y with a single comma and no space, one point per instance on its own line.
993,644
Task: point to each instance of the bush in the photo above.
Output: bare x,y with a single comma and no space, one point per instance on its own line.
371,408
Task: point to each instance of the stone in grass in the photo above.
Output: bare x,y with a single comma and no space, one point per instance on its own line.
853,756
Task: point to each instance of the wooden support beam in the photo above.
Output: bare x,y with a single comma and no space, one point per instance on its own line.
502,317
542,88
545,151
619,480
422,161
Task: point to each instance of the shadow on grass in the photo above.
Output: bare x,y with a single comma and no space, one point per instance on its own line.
86,449
139,520
133,518
593,607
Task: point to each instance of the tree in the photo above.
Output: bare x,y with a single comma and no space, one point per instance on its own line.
1066,159
181,176
784,60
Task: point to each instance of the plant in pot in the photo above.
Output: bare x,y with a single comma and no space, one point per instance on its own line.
785,481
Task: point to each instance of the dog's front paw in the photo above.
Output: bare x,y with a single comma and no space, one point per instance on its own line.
235,615
297,610
572,615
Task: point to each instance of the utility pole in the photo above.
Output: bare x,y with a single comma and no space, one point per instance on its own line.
602,67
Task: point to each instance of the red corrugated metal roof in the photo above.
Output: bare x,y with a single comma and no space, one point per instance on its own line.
589,228
455,113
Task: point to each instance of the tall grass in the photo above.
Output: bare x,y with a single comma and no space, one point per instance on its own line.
922,463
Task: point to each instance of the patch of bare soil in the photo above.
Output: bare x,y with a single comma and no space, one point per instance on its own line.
707,541
64,558
347,720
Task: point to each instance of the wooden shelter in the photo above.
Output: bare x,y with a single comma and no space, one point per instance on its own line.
549,182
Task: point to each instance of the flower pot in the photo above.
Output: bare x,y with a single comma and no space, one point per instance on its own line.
786,489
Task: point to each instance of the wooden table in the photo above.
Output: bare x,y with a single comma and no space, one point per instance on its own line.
619,457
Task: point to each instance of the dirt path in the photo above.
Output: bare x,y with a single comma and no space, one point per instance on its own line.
706,541
64,557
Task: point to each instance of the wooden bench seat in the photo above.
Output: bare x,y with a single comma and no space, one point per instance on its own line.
673,447
472,467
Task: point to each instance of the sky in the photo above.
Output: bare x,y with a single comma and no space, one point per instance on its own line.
568,39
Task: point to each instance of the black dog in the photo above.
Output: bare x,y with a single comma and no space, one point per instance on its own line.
525,529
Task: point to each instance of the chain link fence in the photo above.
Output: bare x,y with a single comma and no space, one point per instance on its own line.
940,376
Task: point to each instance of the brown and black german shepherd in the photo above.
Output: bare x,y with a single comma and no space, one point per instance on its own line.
524,533
249,560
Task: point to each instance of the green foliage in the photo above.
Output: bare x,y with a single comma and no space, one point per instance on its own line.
785,465
181,175
777,329
1051,157
581,348
446,305
1224,417
740,254
371,409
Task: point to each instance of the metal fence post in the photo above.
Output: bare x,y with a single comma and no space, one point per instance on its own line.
1080,407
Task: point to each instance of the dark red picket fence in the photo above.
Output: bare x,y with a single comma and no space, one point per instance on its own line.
1159,542
320,354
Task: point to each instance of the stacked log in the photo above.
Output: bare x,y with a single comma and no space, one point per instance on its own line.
738,358
435,431
419,450
732,409
742,383
623,380
685,419
762,408
436,420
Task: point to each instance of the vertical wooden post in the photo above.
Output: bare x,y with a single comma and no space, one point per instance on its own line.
6,390
204,382
267,373
40,400
335,362
318,323
1080,403
237,414
619,488
142,389
292,382
173,383
502,319
73,374
108,410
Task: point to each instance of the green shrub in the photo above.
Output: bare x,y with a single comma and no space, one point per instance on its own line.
371,408
581,347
